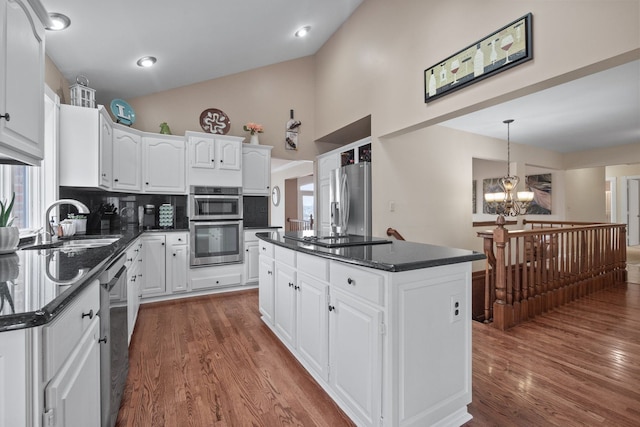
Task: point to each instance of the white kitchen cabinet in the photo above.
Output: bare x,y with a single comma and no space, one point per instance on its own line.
214,159
266,288
285,302
177,261
312,323
256,170
22,66
14,359
216,277
355,354
87,134
163,165
153,265
133,261
127,152
72,397
251,262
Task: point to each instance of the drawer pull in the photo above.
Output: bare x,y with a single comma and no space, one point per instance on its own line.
296,287
103,340
89,314
290,284
351,281
129,259
269,272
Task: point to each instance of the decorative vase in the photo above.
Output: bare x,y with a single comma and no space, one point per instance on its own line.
9,238
254,139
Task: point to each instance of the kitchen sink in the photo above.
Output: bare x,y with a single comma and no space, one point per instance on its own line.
77,243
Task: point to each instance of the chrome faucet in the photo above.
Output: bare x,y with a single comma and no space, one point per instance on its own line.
47,235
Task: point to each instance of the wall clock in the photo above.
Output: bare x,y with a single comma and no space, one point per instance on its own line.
275,196
216,121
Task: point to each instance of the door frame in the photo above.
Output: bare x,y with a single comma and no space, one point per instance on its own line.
625,200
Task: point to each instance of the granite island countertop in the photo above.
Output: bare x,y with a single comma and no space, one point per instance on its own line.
37,284
398,255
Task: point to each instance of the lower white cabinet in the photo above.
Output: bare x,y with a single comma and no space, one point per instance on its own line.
266,288
216,277
153,265
71,363
133,261
165,263
72,397
285,302
356,329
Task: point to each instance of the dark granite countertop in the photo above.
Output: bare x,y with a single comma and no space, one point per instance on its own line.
37,284
396,256
270,227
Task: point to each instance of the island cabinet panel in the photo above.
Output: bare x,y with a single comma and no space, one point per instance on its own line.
439,301
391,348
14,358
356,355
266,289
312,323
285,303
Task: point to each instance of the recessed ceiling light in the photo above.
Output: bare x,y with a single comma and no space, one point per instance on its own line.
146,61
58,22
303,31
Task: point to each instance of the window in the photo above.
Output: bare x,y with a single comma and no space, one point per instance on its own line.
18,179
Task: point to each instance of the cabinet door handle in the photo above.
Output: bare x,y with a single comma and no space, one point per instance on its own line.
103,340
296,287
6,116
246,250
162,243
221,161
116,179
290,284
351,281
146,183
89,314
174,254
213,160
129,259
331,308
269,272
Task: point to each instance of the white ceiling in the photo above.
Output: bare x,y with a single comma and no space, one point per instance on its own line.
198,40
194,40
600,110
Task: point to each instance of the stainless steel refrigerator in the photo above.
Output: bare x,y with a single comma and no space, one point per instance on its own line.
350,198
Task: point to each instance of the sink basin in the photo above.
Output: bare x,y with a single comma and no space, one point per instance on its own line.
88,243
76,244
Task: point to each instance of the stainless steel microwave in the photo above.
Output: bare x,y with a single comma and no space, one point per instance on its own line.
215,203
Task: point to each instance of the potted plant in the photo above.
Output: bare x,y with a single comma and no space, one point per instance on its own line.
9,235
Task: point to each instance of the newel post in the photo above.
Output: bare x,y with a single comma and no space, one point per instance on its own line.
502,314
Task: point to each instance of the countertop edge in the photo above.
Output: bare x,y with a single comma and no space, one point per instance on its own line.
393,268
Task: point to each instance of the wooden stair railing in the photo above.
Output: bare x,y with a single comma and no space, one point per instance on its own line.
529,272
393,232
300,224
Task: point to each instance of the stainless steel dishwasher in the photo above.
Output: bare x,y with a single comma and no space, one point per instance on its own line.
114,350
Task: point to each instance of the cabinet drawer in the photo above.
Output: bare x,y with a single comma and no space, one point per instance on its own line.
266,248
314,266
132,254
62,335
177,239
234,279
362,283
285,256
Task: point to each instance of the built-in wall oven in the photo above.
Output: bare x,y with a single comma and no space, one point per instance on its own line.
215,225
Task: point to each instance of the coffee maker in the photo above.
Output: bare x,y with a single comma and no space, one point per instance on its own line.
149,220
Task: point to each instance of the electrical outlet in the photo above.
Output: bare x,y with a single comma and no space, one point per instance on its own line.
455,308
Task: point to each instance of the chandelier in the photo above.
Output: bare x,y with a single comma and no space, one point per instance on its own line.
509,202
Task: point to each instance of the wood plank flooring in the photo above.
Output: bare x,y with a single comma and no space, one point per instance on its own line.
210,361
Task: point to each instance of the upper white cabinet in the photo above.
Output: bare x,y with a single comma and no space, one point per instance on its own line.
214,159
22,80
87,134
163,164
256,170
127,151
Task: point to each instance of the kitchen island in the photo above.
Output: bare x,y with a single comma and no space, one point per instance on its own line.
384,327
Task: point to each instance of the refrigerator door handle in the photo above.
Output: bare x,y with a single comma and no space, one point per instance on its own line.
344,203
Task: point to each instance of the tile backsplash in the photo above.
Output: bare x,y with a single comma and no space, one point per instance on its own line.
125,207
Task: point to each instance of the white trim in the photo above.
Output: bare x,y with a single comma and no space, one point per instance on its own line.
613,186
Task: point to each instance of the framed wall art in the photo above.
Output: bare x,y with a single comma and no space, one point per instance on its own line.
541,187
507,47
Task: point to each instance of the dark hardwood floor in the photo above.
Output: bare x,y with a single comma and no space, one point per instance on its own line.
210,361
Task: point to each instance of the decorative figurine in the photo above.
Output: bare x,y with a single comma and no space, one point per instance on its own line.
164,128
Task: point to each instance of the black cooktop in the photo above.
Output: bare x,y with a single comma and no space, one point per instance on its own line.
335,240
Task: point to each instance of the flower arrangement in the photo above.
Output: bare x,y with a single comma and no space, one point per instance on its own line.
5,212
253,128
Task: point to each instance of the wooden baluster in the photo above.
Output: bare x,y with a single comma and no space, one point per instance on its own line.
489,279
